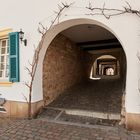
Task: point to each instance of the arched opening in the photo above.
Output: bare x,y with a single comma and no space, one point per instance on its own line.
104,66
84,73
109,71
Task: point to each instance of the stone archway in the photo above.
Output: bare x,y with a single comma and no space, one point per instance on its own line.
114,63
130,87
58,73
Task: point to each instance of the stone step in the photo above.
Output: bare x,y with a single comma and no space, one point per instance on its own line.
94,114
100,115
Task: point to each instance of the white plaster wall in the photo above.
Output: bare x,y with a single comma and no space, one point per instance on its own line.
27,14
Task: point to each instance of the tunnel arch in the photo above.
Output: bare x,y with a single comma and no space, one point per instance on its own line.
54,31
93,72
67,24
58,28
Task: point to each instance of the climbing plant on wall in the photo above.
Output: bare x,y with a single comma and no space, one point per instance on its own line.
138,55
42,30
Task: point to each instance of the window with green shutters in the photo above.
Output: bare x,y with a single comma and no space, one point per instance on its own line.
14,57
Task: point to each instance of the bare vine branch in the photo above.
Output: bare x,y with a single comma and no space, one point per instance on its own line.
25,98
61,8
29,71
42,30
109,12
27,84
138,56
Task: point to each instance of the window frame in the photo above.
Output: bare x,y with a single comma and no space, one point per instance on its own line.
4,36
6,60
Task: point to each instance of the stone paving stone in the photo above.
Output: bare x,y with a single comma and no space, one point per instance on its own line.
38,129
93,95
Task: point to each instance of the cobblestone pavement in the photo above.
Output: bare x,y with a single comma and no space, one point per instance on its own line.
100,96
39,129
4,123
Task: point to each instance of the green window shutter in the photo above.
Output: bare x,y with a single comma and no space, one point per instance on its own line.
14,57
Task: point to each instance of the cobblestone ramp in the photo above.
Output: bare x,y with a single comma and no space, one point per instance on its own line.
98,96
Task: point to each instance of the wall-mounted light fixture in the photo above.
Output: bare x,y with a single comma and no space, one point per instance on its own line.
21,36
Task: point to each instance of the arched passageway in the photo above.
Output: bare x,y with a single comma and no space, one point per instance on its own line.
84,69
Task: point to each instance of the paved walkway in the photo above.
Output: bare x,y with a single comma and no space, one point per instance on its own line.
40,129
99,96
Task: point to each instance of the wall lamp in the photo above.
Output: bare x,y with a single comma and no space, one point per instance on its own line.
21,36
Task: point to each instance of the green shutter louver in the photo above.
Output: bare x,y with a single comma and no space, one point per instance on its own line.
14,57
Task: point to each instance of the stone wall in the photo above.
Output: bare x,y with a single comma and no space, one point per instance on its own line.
62,67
